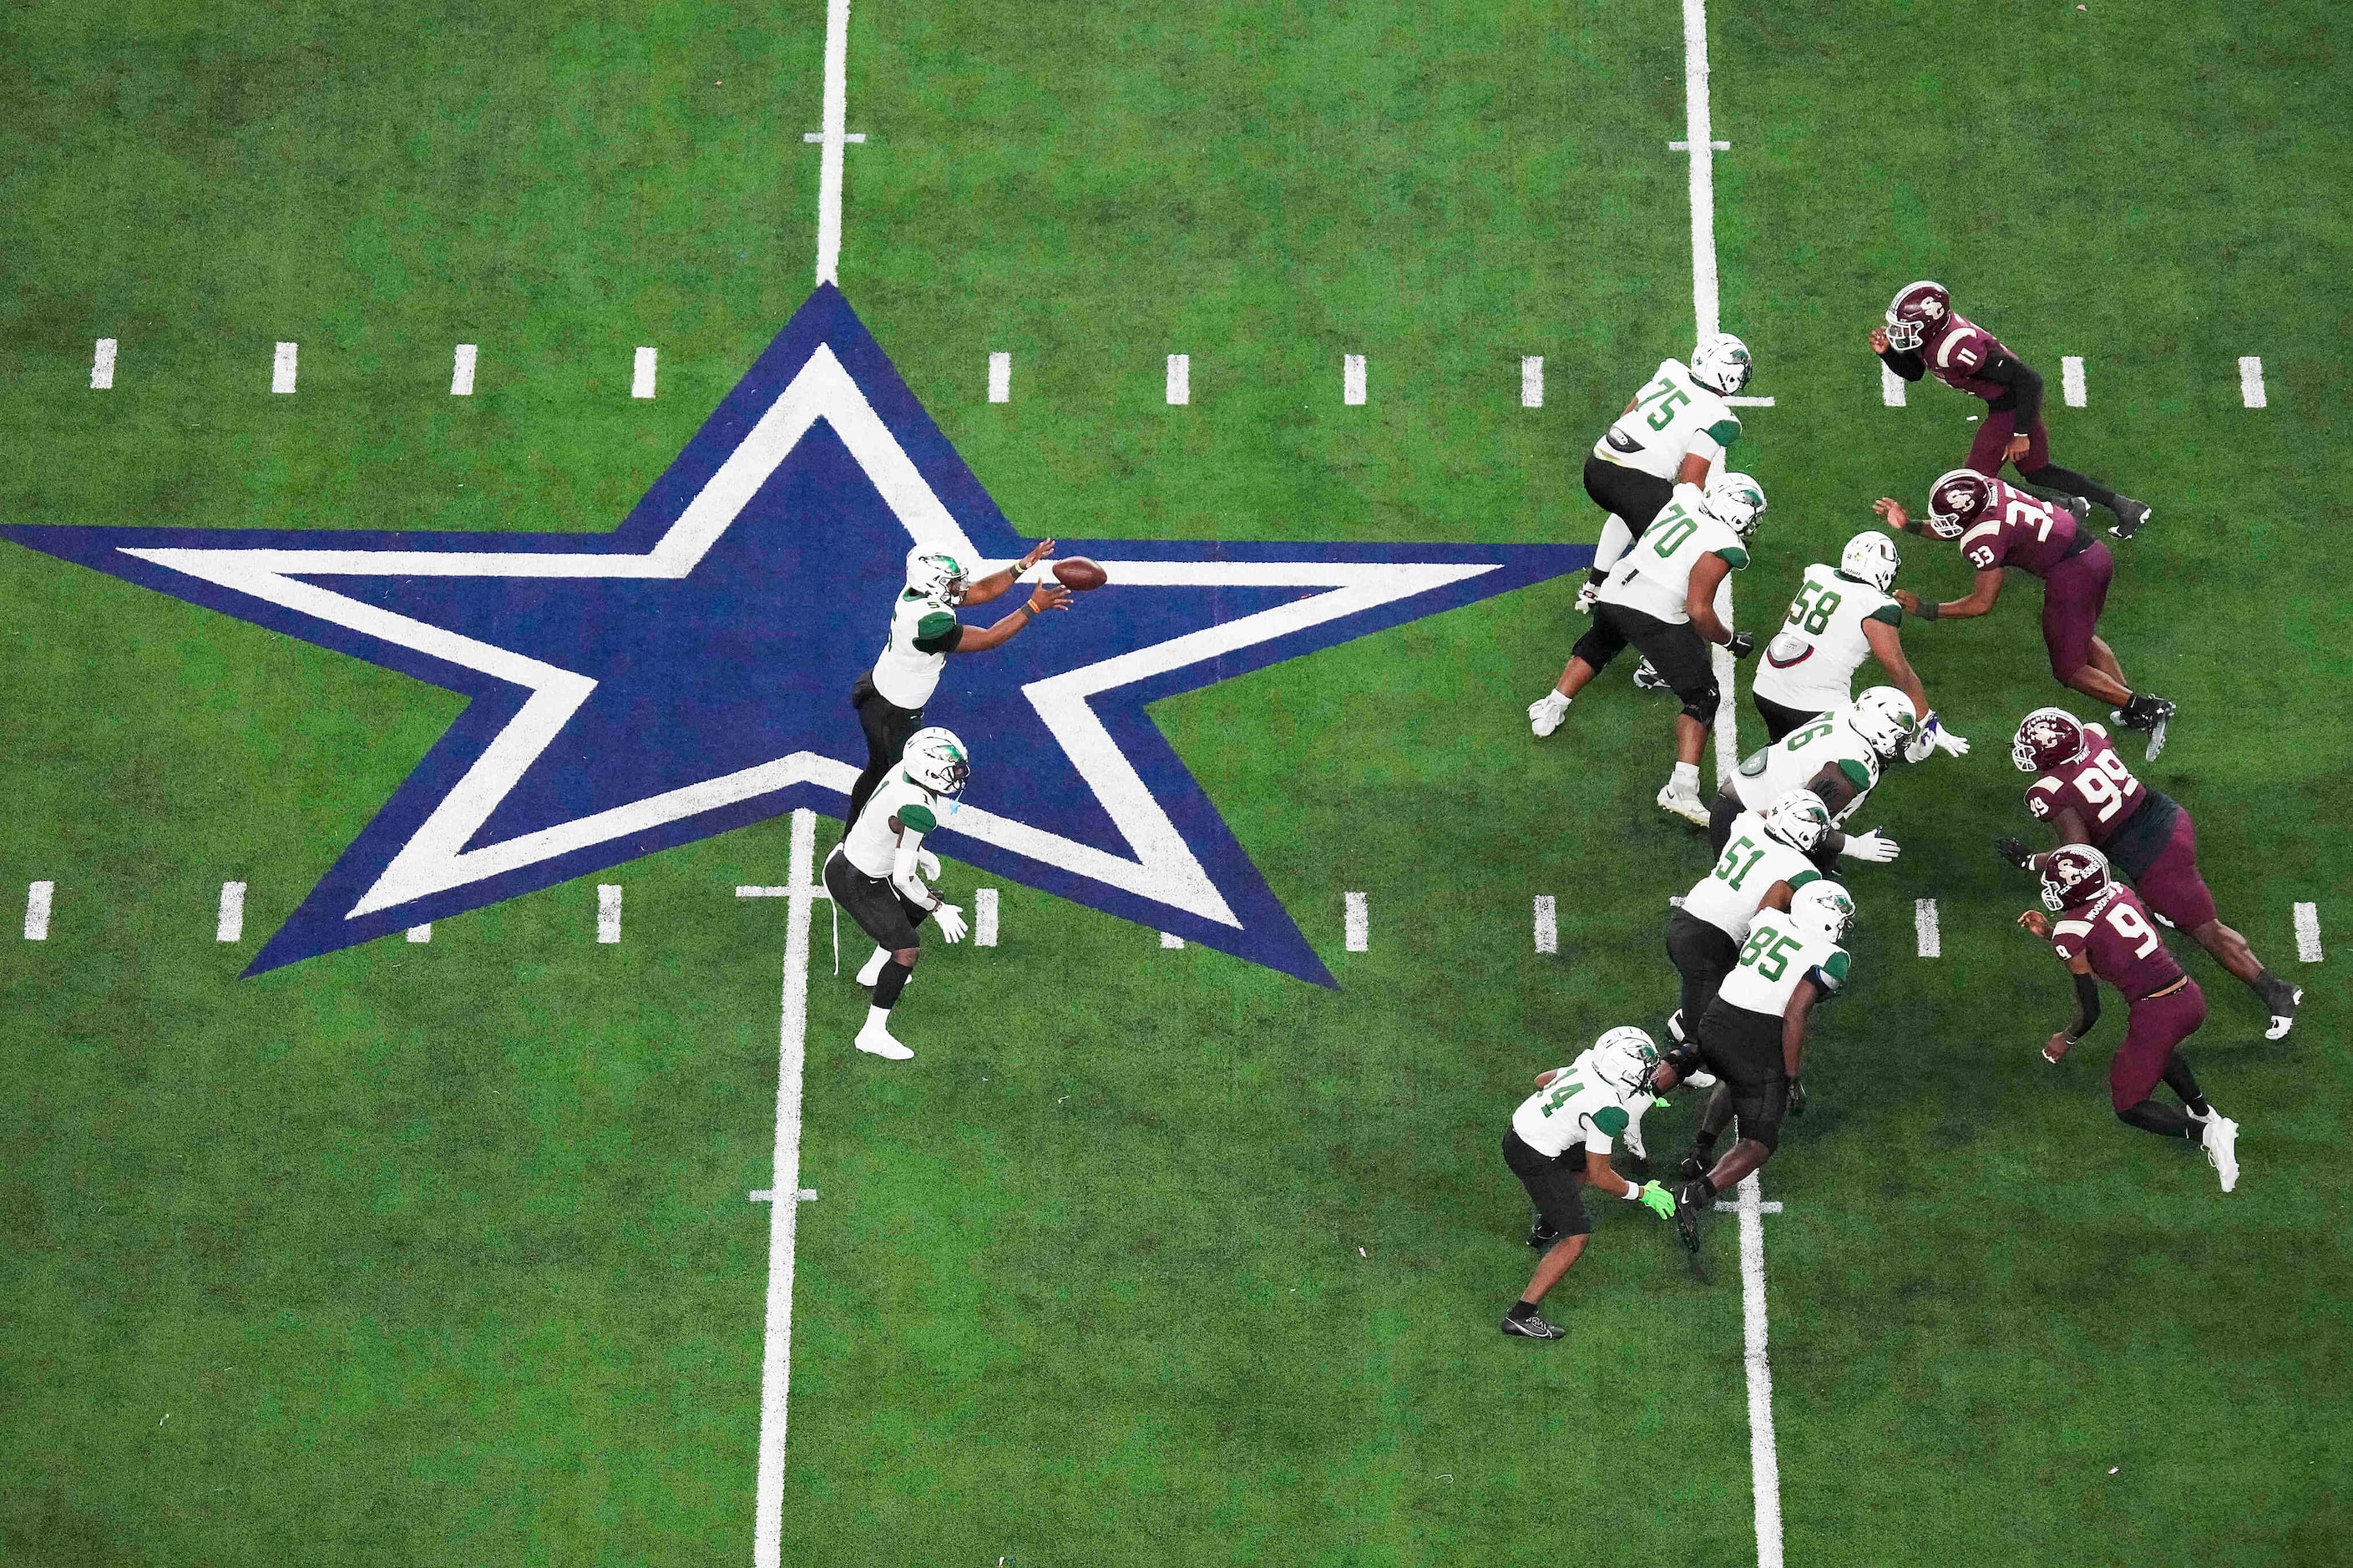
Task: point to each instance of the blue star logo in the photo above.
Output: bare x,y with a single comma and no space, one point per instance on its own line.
688,672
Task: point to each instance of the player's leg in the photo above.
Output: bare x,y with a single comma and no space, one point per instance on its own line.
1552,1187
1722,813
2155,1027
1779,719
878,911
1992,437
1630,500
1681,655
2104,659
2173,886
2074,593
2039,471
886,726
1589,657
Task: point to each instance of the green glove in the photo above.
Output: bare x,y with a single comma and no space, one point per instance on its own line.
1657,1199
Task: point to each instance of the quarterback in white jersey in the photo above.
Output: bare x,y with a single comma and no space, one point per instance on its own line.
1840,756
1675,430
1560,1140
1839,618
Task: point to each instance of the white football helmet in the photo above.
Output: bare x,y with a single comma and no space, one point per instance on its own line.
1798,819
1824,908
1721,364
936,759
1870,557
1625,1055
1736,501
1882,716
935,574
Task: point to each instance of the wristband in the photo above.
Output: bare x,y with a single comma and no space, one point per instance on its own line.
1930,610
1633,1192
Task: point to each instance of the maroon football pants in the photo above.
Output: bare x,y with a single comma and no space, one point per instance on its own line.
1985,452
2153,1028
2075,592
2171,884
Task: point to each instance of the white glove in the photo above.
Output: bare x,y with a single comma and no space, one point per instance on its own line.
928,864
952,922
1873,847
1935,737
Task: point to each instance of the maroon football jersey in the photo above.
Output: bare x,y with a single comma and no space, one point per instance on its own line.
2019,531
1960,350
2098,785
2119,935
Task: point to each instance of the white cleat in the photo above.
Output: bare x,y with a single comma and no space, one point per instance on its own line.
1701,1078
873,970
1687,805
1647,679
877,1042
2220,1142
1546,713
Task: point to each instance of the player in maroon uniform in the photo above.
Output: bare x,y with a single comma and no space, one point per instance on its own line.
2000,525
1923,334
2104,931
2085,793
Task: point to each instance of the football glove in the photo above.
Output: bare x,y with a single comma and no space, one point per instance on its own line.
1934,737
1657,1199
927,865
2015,851
1875,847
952,922
1740,645
1796,1097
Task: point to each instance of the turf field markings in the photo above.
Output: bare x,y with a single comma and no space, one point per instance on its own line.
101,367
229,925
792,1039
1923,927
767,1196
831,139
1890,388
1547,924
2071,380
38,896
1532,380
462,371
1000,377
282,365
2251,380
1351,380
1180,380
984,917
1170,940
642,374
1750,401
1357,921
1764,1460
1726,1206
1686,146
421,933
608,912
2307,933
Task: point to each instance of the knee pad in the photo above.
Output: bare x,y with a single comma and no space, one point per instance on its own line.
1703,707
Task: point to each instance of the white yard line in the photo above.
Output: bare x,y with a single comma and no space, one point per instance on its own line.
776,1359
101,367
2307,933
282,368
2071,380
1357,921
462,371
38,896
1351,380
831,140
608,912
1180,380
1171,941
2250,381
643,373
1764,1461
984,917
1532,380
421,933
1750,401
1000,377
1891,387
229,925
1923,927
1547,924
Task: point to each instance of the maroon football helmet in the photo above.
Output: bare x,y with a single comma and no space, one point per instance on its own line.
2047,738
1917,314
1956,500
2072,873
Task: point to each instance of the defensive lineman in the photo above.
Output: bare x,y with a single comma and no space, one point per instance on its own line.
924,631
1840,757
1672,432
877,874
1839,619
1662,598
1560,1139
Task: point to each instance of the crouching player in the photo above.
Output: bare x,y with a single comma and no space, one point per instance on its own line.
1560,1139
877,874
2103,932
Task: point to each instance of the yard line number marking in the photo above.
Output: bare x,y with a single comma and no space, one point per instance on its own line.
2307,933
2250,381
1924,926
229,925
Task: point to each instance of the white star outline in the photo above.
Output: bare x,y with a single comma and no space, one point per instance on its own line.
435,859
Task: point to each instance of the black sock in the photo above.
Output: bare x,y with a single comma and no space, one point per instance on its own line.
890,982
2067,481
1522,1311
2184,1083
2161,1119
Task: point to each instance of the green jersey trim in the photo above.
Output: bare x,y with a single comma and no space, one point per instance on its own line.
936,632
1892,613
1612,1119
1833,968
1802,878
1855,771
1734,556
1724,432
918,817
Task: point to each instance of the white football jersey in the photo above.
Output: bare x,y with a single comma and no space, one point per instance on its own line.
1793,761
1809,665
1727,898
923,630
1674,417
1776,956
1654,574
1584,1103
873,844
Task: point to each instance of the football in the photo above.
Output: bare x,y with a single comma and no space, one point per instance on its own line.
1080,574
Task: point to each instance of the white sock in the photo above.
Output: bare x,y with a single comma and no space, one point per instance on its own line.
878,1021
1686,779
872,971
1615,539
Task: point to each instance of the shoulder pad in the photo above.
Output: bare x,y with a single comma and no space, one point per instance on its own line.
1612,1119
917,814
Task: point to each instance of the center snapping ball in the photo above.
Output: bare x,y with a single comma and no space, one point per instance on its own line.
1080,574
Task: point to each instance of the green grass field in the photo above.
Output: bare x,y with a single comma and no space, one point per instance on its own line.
440,1254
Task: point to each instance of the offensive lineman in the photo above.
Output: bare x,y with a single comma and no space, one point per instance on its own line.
876,874
1671,433
1838,620
2087,795
1767,857
1661,597
1999,525
1584,1106
2105,931
1840,757
1924,335
924,631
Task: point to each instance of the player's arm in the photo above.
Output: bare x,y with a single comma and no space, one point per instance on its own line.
2068,824
1838,787
1610,1123
1599,1172
1701,456
2025,383
1043,597
908,864
996,582
1794,1018
1980,599
1779,895
1699,602
1887,646
1906,362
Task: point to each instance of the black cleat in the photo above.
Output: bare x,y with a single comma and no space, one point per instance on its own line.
1691,1167
2148,714
2132,516
1532,1327
1692,1200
